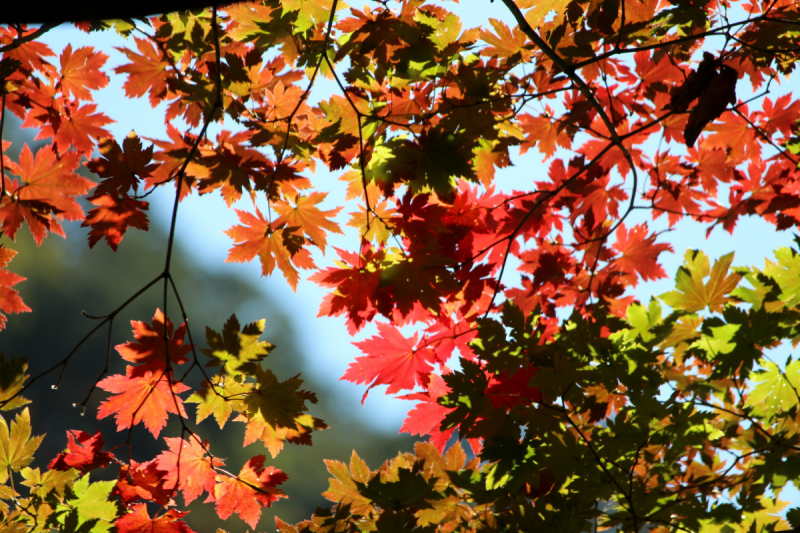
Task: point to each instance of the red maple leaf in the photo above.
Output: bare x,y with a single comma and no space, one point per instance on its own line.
10,301
122,168
142,481
355,280
80,71
639,254
275,246
392,360
426,418
245,495
139,521
45,193
545,133
230,166
113,216
506,392
780,116
188,467
84,453
150,350
142,396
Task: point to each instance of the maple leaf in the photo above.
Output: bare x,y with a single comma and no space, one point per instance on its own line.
80,71
142,481
692,294
150,351
10,301
146,72
76,127
142,396
309,218
275,246
90,505
544,133
172,157
122,168
392,360
16,444
245,495
230,166
427,416
416,278
237,350
275,402
343,489
639,253
138,521
219,397
537,10
355,280
274,436
113,216
780,116
506,42
84,453
189,467
45,193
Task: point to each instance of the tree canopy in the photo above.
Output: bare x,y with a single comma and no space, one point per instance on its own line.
551,400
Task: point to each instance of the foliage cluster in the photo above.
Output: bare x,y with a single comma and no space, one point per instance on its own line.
582,408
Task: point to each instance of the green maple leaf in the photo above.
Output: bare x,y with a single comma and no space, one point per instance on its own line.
90,511
642,319
277,403
719,342
775,391
692,293
16,444
502,353
786,271
220,400
237,349
410,489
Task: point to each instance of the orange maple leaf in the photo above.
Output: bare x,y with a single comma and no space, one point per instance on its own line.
639,254
80,71
150,348
142,396
45,193
275,246
139,521
247,494
146,72
188,467
308,217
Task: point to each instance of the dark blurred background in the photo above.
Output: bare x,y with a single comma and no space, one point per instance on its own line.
65,277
